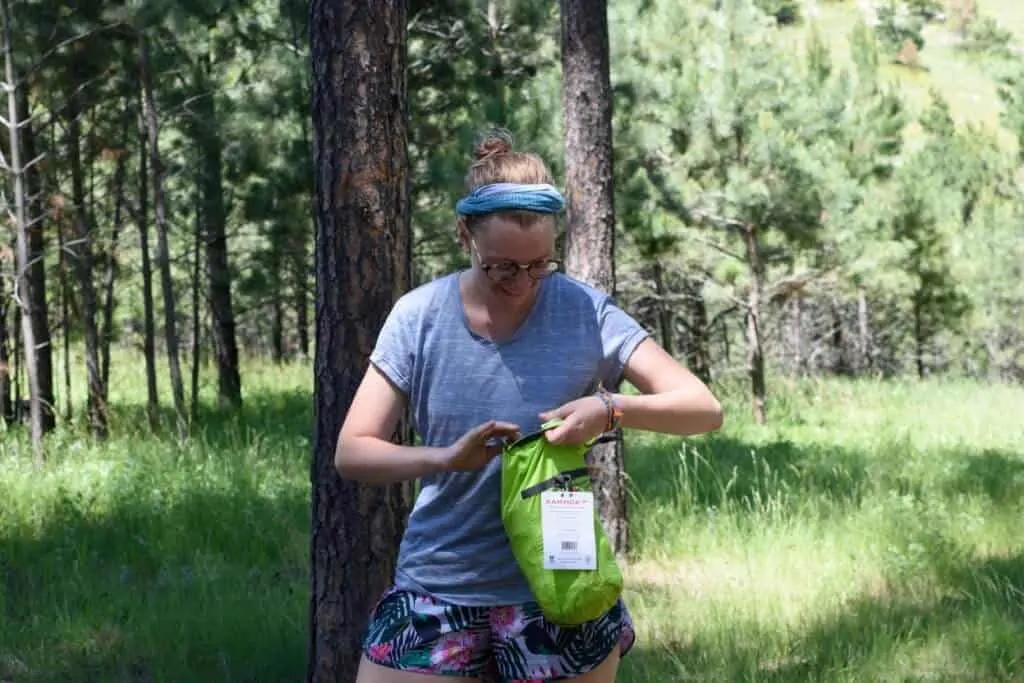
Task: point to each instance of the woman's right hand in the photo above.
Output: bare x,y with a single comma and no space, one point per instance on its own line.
477,446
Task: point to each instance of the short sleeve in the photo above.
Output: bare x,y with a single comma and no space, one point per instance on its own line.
620,335
394,352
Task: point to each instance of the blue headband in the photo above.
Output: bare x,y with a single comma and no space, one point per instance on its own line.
542,198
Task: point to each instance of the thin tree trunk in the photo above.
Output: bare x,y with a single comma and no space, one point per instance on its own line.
362,267
666,319
208,136
840,365
65,316
863,330
278,242
920,341
107,327
698,355
590,215
21,221
755,352
299,250
6,406
796,333
37,267
163,250
95,405
148,315
197,322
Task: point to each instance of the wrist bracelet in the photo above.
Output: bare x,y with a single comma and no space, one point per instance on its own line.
614,410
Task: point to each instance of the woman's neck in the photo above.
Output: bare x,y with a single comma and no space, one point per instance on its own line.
489,315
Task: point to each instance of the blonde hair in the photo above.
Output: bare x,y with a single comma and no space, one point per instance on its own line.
495,161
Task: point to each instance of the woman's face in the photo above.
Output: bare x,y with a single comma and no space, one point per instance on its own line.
513,258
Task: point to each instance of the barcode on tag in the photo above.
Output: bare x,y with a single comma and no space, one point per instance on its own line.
569,545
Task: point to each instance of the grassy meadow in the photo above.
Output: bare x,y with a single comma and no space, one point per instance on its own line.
871,532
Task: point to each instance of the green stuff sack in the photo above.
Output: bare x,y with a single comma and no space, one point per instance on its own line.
546,492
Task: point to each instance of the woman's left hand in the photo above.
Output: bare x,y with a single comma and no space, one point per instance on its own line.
582,420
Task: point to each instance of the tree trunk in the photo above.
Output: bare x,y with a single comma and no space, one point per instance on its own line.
755,349
362,255
920,339
149,322
698,353
65,319
84,262
590,219
300,250
37,268
197,315
796,334
6,406
109,301
225,345
840,365
863,330
163,250
278,246
666,317
21,225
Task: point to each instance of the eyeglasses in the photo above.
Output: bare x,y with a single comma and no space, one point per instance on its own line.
508,270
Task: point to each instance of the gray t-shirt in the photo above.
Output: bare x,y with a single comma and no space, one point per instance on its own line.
455,546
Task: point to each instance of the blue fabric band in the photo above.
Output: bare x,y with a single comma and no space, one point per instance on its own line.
542,198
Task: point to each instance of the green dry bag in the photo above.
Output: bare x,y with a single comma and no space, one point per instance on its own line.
547,506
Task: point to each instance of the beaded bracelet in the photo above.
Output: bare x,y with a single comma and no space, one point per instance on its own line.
614,411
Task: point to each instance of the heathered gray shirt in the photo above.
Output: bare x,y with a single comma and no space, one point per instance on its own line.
455,547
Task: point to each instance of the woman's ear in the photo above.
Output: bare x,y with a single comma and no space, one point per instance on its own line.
462,233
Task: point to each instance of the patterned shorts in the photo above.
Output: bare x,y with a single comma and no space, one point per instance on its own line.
514,643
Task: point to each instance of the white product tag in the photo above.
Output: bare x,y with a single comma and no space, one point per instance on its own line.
567,522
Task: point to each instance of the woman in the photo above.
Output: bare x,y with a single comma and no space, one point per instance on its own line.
479,356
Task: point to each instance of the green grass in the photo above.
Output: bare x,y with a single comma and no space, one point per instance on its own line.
871,532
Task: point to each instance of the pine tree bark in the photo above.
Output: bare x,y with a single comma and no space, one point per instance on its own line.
16,167
207,133
755,341
163,248
698,353
590,209
148,315
84,261
6,406
362,253
37,268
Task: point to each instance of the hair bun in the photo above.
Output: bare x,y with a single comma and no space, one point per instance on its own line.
494,143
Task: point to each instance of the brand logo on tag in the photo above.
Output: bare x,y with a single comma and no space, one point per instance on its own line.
574,501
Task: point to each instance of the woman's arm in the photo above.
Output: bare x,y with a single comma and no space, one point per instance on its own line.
365,451
673,400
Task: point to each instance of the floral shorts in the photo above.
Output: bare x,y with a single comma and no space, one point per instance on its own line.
513,643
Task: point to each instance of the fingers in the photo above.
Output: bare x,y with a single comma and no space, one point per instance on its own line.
561,411
495,430
571,432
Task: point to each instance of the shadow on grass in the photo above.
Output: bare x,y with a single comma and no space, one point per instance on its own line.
178,571
997,475
970,627
722,471
280,418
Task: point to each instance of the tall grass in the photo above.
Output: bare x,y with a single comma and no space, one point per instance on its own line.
870,532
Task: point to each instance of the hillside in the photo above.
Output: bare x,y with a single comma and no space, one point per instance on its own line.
968,82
